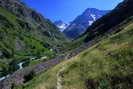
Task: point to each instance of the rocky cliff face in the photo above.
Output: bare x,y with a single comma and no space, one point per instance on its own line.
111,20
82,22
23,33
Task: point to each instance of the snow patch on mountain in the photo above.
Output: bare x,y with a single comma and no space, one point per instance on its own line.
94,19
61,25
91,22
93,16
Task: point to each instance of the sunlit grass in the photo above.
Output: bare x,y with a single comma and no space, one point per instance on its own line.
109,61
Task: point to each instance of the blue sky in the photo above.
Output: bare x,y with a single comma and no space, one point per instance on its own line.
67,10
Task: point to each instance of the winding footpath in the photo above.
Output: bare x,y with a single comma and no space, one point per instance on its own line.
60,78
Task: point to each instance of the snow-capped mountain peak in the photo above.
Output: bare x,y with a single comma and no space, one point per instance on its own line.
61,25
83,21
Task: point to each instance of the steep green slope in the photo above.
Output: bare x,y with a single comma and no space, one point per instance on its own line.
24,33
106,65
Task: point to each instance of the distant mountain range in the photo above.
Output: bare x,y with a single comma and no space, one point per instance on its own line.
82,22
61,25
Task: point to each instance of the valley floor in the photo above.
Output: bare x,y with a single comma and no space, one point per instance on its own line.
106,65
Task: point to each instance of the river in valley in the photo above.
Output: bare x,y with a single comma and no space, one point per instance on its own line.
20,65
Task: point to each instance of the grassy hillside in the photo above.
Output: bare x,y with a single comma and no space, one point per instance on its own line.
20,40
106,65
